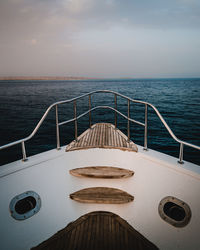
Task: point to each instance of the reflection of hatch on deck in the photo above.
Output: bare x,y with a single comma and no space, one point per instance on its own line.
103,195
102,135
102,172
97,231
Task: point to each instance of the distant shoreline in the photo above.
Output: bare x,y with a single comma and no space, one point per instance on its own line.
71,78
47,78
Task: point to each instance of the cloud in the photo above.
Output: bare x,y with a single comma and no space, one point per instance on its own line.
48,18
82,33
140,13
78,6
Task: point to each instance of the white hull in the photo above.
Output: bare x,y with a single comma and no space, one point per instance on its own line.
156,176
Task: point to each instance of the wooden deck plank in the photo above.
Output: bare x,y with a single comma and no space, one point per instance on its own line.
97,231
93,142
97,137
114,138
105,135
72,238
117,138
94,136
109,136
97,242
101,235
102,135
124,142
80,142
120,139
86,141
83,141
117,233
98,141
89,232
90,136
112,133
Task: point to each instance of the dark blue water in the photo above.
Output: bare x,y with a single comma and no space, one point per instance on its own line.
22,104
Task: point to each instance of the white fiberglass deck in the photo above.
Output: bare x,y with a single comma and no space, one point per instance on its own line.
156,176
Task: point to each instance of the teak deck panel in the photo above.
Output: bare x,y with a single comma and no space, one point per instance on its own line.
103,195
102,135
97,231
102,172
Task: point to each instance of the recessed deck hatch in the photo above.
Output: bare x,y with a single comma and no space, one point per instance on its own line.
103,195
102,172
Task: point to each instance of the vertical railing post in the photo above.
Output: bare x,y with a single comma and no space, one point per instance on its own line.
75,121
146,127
24,152
115,111
128,122
57,129
90,119
180,161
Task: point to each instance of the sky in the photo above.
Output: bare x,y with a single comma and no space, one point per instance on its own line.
100,38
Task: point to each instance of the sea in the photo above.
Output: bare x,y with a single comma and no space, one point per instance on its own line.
22,104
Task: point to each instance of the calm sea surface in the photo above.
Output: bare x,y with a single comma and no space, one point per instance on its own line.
22,104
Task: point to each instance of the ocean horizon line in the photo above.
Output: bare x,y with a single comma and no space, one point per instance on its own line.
77,78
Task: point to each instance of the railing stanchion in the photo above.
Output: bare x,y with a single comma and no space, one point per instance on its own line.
57,130
180,161
75,122
90,119
115,111
24,152
146,127
128,122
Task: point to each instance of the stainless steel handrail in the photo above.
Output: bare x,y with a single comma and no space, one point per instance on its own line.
101,107
22,141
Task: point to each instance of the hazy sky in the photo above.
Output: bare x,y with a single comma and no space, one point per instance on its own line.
100,38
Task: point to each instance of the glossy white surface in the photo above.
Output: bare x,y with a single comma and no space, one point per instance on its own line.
156,176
